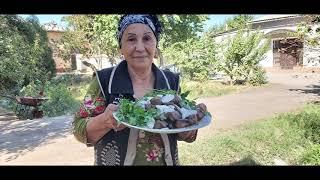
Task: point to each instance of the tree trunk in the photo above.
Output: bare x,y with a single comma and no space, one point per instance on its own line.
161,59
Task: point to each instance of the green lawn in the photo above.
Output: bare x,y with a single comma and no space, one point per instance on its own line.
258,143
198,89
78,91
211,88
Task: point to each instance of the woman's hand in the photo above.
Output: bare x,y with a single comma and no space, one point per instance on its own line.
109,121
98,126
188,136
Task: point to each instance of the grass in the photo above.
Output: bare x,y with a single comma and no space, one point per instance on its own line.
78,91
210,89
65,93
255,143
198,89
76,84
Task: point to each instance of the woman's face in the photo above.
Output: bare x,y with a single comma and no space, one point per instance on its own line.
138,46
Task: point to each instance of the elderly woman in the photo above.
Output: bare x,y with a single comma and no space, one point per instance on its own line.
94,124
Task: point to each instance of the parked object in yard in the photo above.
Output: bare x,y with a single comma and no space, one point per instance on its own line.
28,107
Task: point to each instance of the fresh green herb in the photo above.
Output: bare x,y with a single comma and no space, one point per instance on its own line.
133,114
189,104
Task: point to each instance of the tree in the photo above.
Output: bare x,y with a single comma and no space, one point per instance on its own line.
195,58
179,28
96,34
241,55
24,53
215,29
237,22
309,31
91,36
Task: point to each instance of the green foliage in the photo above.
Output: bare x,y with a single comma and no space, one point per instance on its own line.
237,22
311,156
60,100
308,120
180,28
133,114
262,141
215,29
96,34
65,93
71,79
241,55
89,35
208,89
306,31
258,77
32,89
187,102
195,58
24,53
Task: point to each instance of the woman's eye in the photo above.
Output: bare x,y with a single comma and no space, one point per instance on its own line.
147,38
131,39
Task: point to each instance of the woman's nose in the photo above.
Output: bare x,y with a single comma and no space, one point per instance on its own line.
139,46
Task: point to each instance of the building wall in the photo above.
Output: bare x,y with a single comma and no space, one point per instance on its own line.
267,61
99,62
66,65
61,65
279,30
311,56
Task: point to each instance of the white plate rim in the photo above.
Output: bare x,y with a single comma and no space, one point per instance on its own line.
205,121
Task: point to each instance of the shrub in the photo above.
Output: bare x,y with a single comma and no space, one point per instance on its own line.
258,77
60,101
312,155
309,122
24,53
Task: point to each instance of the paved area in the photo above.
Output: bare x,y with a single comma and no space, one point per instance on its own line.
49,141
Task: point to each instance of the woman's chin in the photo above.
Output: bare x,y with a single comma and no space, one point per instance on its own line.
141,64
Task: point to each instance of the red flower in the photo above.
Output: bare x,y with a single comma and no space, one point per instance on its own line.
99,102
83,113
99,110
100,99
152,155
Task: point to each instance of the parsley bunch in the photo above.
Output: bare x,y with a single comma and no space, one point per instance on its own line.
134,114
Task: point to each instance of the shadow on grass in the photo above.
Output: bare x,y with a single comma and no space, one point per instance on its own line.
247,161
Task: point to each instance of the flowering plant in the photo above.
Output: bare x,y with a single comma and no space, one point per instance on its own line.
92,107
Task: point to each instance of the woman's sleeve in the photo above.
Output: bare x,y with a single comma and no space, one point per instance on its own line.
92,105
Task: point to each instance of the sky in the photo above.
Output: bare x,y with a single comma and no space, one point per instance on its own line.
49,18
214,19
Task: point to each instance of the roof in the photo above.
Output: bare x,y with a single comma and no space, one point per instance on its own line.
273,17
265,18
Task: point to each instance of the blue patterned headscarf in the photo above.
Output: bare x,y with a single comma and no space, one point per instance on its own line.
147,19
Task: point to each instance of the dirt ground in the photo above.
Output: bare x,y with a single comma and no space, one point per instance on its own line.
49,141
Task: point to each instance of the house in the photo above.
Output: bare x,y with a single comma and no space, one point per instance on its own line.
74,64
54,33
286,52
